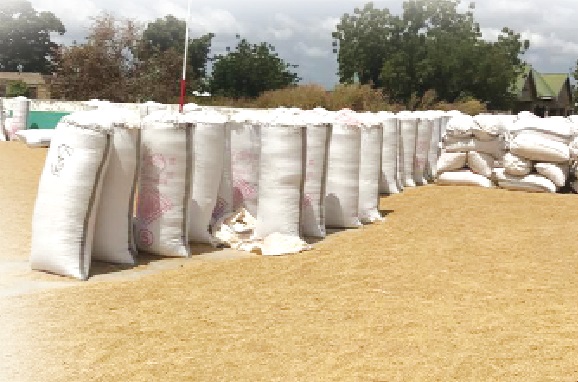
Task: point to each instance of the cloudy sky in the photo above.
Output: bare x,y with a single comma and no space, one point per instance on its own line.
301,29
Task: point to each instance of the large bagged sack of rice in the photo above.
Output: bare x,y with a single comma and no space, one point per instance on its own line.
481,163
488,127
342,199
245,128
318,135
517,166
224,206
537,148
388,183
460,126
209,136
150,107
530,183
400,173
282,167
434,145
558,128
164,190
422,147
463,178
495,147
113,233
67,202
370,167
408,131
556,172
451,162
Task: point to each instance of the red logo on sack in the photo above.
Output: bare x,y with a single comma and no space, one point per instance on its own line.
152,205
242,191
145,237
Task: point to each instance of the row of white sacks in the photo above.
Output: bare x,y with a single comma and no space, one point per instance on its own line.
114,184
521,152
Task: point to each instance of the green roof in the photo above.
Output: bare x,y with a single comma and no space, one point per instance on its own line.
548,85
555,81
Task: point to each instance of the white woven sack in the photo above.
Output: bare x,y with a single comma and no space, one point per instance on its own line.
495,148
556,126
539,135
208,158
539,149
556,172
489,126
369,172
389,155
460,126
113,233
574,148
480,163
164,185
422,147
68,197
530,183
245,150
280,180
451,162
434,147
516,166
400,177
224,206
342,199
463,178
318,134
445,119
408,129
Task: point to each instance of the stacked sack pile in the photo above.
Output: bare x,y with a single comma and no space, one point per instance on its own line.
471,148
538,159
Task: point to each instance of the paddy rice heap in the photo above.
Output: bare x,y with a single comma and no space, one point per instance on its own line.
460,283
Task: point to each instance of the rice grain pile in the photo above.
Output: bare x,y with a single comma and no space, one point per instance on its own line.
459,283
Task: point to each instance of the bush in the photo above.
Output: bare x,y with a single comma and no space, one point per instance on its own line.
303,96
17,89
359,98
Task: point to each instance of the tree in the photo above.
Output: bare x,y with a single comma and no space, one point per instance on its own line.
168,33
25,37
103,67
123,61
250,70
17,89
431,46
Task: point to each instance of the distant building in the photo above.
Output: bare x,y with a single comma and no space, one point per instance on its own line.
544,94
38,84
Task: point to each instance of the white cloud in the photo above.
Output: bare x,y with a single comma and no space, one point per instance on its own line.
214,20
280,34
312,51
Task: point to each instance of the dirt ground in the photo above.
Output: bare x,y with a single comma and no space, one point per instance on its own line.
459,283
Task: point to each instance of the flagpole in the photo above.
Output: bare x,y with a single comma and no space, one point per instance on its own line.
183,82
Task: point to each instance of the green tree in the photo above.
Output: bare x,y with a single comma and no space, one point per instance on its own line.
431,46
168,33
17,89
25,37
250,70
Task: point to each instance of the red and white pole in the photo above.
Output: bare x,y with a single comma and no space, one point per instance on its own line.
183,79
